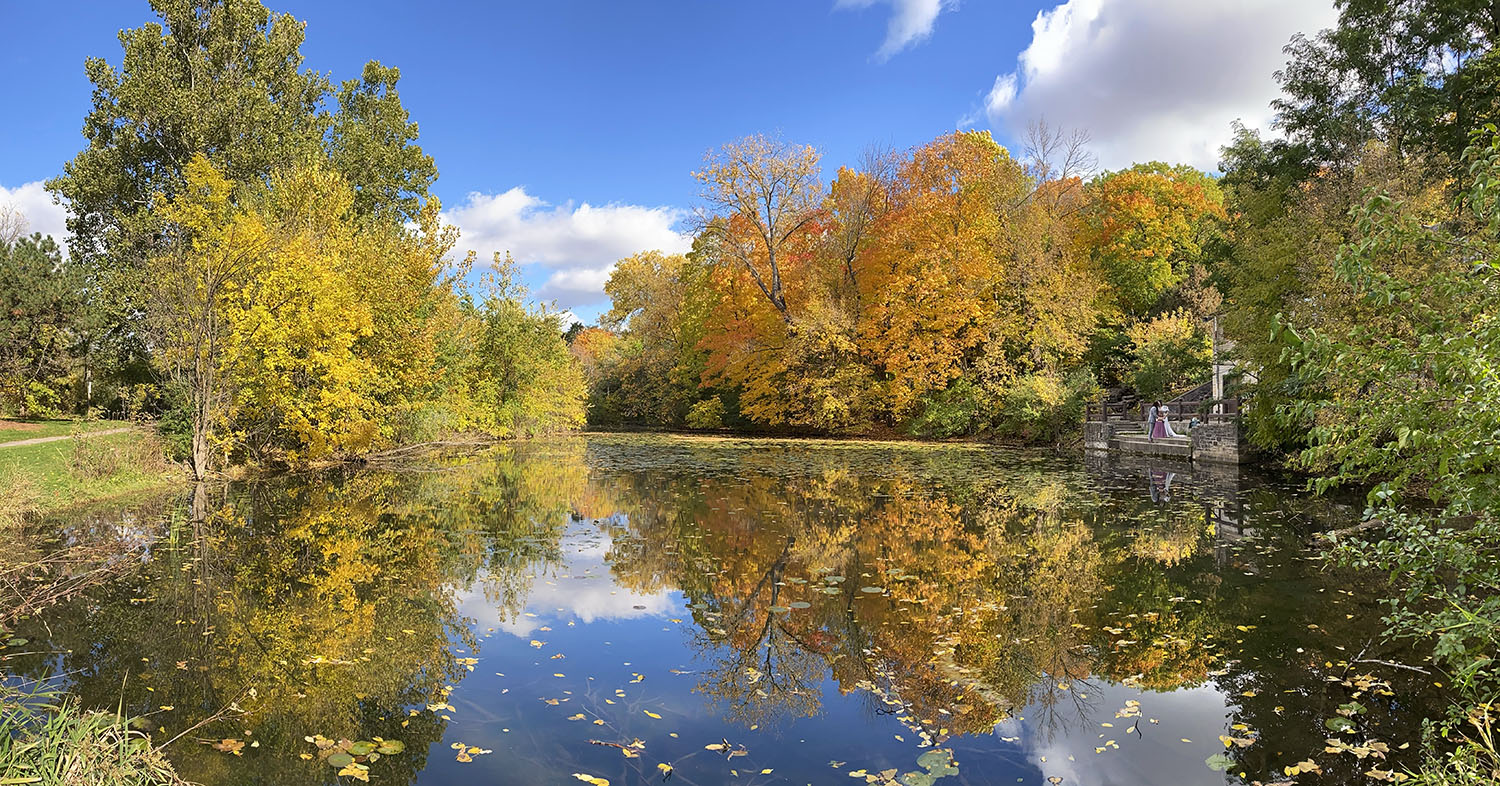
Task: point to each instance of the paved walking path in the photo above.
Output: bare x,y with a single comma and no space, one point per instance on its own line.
40,440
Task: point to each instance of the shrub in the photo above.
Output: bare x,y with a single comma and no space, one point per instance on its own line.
1170,351
92,458
958,410
1039,408
175,426
706,414
96,458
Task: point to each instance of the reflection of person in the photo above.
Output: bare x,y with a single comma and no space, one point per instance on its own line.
1161,485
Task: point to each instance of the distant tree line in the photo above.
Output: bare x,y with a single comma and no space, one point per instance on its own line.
949,290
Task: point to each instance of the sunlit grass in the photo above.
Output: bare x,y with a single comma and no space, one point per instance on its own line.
51,480
17,430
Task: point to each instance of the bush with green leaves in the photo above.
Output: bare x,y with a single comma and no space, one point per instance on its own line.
1413,411
1041,408
961,408
1171,351
706,414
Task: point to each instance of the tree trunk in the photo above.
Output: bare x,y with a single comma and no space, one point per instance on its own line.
200,457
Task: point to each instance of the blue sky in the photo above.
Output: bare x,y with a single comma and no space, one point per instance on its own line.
566,130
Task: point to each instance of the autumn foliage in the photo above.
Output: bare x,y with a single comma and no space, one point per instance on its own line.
949,290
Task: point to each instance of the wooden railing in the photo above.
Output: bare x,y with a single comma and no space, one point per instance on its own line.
1219,410
1104,411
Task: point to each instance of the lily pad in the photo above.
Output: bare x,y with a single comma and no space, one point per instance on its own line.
1338,724
388,747
340,759
872,589
800,604
1219,762
362,748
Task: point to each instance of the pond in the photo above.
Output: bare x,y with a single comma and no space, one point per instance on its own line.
640,609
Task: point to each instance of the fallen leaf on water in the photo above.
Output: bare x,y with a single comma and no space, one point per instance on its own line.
229,746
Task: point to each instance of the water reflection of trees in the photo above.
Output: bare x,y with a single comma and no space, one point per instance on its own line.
294,608
984,596
997,583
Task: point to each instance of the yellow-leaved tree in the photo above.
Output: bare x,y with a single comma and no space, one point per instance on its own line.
304,390
207,269
927,276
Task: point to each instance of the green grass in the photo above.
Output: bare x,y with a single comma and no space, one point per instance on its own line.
50,468
17,430
48,742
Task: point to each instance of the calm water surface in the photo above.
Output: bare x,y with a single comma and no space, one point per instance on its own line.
746,612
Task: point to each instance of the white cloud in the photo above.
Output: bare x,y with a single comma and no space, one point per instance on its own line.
42,215
587,594
911,21
578,244
1153,79
1061,740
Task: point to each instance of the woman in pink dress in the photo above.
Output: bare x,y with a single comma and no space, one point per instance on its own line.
1162,428
1159,421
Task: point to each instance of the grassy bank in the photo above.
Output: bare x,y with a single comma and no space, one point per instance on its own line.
47,739
78,469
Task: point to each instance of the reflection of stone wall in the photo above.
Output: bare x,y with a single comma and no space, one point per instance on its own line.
1217,442
1096,435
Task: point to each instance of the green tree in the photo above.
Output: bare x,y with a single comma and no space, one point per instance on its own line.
1417,74
222,79
373,144
1412,405
655,373
525,381
1169,352
1282,239
40,298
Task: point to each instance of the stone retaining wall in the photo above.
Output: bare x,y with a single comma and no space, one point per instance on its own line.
1218,442
1096,435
